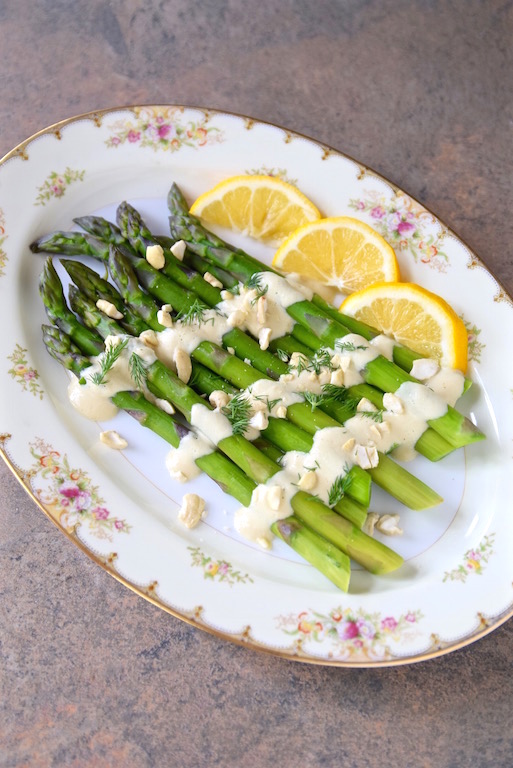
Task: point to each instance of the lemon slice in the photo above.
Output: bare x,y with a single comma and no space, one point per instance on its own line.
341,252
263,207
414,317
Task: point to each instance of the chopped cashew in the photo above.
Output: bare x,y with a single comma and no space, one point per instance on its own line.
366,456
365,405
337,377
178,250
149,338
164,318
261,309
183,364
263,542
349,444
226,295
324,377
167,308
424,368
164,405
230,350
286,377
108,308
236,318
113,440
218,398
192,510
392,403
274,496
388,525
212,280
308,481
370,523
264,337
155,256
281,412
260,420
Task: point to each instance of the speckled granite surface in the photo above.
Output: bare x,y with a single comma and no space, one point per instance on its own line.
90,674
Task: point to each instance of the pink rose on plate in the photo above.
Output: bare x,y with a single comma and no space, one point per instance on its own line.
377,212
389,623
133,136
410,617
405,228
348,630
101,513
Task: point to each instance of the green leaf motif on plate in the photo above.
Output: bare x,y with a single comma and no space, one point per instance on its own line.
68,494
217,570
161,128
473,561
475,346
56,184
22,372
405,226
275,173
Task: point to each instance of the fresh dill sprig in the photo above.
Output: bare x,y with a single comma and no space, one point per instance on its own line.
312,469
138,370
254,282
333,393
108,359
282,355
339,488
348,346
238,413
313,399
321,359
265,399
302,363
195,314
376,416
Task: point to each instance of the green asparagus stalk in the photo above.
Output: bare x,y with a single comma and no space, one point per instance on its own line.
204,243
315,550
432,447
252,462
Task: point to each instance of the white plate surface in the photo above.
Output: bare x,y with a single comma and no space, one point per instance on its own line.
456,584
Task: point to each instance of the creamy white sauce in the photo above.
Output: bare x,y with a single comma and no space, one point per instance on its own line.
212,424
92,400
279,294
181,461
448,384
187,336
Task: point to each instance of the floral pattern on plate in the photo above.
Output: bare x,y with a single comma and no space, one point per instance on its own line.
162,128
218,570
405,224
69,495
22,372
475,345
276,173
353,634
473,561
56,184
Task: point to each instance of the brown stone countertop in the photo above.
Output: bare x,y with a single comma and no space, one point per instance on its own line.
92,675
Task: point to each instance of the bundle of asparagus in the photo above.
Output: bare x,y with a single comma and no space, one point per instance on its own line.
325,535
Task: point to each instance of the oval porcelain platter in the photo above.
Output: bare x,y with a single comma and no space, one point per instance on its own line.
120,507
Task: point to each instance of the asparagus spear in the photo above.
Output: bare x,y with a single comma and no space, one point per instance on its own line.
327,326
323,555
453,430
256,465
